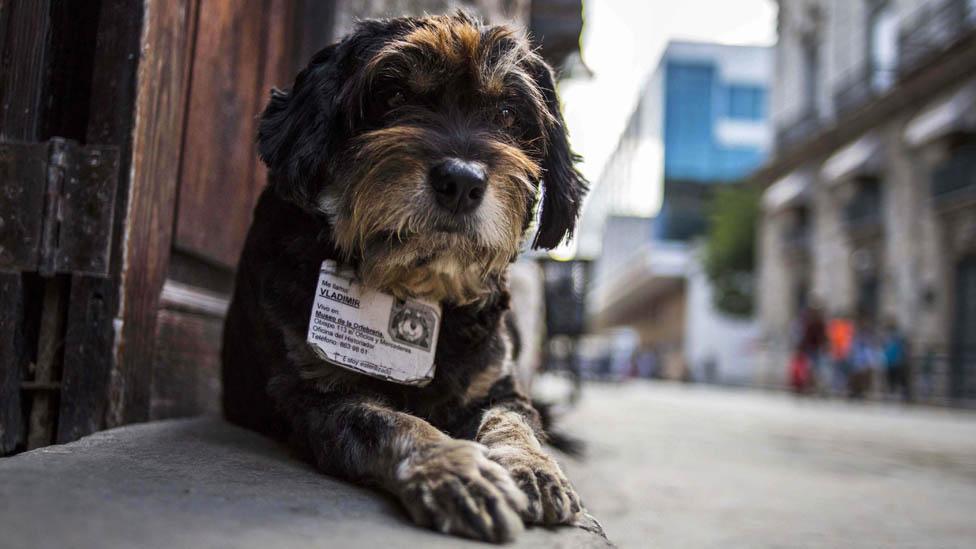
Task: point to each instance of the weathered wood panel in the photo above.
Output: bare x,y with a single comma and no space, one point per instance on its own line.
71,54
11,361
279,72
218,186
41,423
280,44
186,377
24,28
93,302
163,79
315,28
186,366
87,358
241,50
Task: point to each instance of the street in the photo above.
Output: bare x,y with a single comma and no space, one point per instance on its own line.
673,465
669,466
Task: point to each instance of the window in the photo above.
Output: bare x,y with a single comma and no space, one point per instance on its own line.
956,176
882,46
811,73
801,295
864,208
868,297
746,102
688,120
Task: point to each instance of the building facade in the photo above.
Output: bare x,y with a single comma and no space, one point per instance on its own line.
701,121
870,203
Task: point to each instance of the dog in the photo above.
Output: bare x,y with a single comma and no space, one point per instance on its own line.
412,154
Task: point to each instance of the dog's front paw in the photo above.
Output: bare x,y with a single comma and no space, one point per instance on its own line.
552,499
453,486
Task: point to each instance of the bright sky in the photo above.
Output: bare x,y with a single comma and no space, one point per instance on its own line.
622,42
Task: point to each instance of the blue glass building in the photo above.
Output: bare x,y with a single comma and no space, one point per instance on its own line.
715,127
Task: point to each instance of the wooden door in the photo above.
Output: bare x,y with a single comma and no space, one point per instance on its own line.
67,71
236,56
174,89
234,53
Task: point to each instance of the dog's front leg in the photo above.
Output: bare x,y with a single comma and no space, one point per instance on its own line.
444,483
507,431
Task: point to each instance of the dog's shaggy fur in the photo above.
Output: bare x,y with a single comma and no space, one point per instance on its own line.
350,149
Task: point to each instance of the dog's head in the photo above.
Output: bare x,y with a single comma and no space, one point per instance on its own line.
425,143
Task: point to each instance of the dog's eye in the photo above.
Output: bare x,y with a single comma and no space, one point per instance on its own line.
506,117
396,99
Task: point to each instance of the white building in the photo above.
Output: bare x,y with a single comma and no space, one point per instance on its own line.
701,121
870,207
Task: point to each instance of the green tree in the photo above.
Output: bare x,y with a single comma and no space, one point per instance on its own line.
730,248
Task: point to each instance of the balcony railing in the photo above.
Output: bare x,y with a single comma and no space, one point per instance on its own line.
861,86
954,182
963,373
932,30
798,130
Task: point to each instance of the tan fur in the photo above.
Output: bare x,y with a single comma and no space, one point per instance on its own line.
482,383
436,479
445,44
390,196
503,427
484,380
454,41
511,442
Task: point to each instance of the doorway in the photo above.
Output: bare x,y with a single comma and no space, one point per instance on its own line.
964,331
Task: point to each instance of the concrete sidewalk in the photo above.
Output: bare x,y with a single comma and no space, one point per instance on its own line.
202,483
674,465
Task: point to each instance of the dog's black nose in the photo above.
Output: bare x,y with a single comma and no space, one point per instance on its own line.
458,185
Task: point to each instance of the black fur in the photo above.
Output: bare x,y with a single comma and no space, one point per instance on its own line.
565,187
276,279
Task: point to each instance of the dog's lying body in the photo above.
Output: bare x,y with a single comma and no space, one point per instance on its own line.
364,185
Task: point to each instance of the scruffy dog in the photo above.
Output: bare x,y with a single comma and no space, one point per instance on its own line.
412,153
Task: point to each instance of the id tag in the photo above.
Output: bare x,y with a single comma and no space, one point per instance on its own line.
372,332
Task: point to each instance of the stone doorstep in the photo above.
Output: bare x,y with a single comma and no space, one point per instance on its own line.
200,483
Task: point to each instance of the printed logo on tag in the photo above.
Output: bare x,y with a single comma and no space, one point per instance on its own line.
371,332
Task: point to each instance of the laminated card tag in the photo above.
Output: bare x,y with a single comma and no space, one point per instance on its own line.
372,332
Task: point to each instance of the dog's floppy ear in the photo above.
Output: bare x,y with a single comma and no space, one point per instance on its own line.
294,129
563,185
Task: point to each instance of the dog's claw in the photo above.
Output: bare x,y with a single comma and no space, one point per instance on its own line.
552,499
453,487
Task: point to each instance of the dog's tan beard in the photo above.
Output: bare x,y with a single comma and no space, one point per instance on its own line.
457,273
408,259
383,225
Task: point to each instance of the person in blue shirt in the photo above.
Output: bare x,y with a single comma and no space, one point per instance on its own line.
895,349
866,357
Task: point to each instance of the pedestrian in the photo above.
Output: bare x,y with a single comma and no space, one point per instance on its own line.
800,374
895,349
646,363
840,333
812,344
866,356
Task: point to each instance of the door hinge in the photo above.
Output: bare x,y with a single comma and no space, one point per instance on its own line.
57,200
